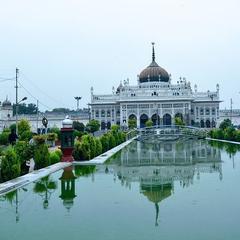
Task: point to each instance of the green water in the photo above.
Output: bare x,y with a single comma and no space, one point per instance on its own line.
172,190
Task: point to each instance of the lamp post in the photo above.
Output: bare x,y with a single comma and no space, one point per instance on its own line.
78,99
25,98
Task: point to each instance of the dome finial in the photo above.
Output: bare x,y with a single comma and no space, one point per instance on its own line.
153,52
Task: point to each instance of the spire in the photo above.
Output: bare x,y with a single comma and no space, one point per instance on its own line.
153,52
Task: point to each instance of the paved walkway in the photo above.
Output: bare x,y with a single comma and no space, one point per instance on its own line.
30,177
221,140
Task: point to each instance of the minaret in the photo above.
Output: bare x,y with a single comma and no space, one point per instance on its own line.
153,52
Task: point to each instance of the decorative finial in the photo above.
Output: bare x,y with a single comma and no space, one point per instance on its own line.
153,52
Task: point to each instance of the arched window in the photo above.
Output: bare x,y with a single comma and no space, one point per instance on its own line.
97,114
102,113
213,111
207,111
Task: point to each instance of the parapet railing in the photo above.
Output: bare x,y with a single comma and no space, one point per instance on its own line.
173,130
131,134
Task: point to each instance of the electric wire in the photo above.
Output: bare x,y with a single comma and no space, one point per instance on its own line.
43,92
26,90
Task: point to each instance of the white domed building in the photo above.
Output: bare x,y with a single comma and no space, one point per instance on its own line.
155,97
6,113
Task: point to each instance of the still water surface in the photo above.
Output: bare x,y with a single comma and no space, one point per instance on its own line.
172,190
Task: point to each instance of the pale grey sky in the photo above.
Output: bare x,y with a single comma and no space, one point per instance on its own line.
63,47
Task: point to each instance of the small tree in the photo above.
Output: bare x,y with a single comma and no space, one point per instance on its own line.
112,141
41,156
23,127
225,124
81,150
132,123
78,126
93,126
179,121
115,128
98,147
24,152
57,131
105,142
10,165
4,138
149,123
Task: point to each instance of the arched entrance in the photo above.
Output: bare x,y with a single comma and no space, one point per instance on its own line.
213,124
132,121
155,119
143,119
179,115
167,119
108,125
132,116
103,125
202,124
208,124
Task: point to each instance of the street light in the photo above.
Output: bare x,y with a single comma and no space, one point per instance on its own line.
78,99
23,99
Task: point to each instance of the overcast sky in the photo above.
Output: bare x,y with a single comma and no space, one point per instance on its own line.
63,47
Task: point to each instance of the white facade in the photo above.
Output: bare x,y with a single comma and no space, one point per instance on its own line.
155,97
54,119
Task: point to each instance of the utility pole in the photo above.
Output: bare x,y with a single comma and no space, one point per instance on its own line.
37,114
231,111
16,114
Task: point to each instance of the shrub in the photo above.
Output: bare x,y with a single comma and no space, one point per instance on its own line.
41,156
98,147
25,136
149,123
237,136
4,138
77,133
229,133
10,165
24,151
112,141
59,153
93,126
122,137
54,157
78,126
179,121
92,143
115,128
13,126
52,136
81,150
105,142
219,134
39,139
225,124
23,126
132,123
57,131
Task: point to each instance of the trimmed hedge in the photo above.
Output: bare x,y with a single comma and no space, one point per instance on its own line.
90,147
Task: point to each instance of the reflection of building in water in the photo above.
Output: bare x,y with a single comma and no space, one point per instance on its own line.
155,194
67,187
157,166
